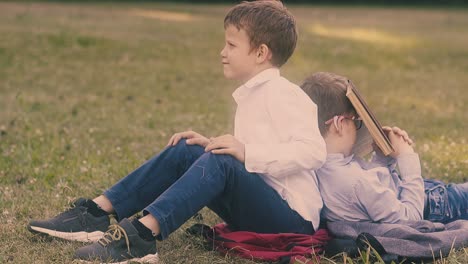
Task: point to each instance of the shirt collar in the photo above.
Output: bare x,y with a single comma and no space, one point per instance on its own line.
339,159
262,77
255,81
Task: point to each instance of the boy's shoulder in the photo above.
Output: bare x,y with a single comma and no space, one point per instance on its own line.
283,85
283,89
273,88
348,169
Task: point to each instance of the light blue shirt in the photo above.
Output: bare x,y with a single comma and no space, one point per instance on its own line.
355,190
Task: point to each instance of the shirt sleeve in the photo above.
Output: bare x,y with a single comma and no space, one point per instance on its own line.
384,205
294,118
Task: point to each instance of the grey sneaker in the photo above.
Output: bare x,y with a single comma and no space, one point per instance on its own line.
75,224
120,244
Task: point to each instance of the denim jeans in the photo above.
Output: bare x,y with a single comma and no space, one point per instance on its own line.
176,183
445,203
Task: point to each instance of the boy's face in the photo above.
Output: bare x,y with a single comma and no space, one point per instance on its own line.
349,134
239,61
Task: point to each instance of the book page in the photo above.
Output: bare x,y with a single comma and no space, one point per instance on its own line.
373,126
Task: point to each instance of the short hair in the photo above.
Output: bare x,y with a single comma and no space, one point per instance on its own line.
328,91
266,22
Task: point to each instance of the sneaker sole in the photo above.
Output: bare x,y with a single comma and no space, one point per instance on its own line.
150,258
72,236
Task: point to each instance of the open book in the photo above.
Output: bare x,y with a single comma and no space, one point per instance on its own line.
373,133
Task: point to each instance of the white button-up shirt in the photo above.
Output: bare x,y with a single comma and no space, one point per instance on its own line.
277,122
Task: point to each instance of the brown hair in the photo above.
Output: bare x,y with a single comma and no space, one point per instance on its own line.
266,22
328,91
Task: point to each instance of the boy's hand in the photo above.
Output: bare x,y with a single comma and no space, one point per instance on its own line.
227,144
193,138
400,141
399,132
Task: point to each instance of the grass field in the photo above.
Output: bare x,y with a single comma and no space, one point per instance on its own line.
90,91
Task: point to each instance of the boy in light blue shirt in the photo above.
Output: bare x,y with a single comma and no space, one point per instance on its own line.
355,190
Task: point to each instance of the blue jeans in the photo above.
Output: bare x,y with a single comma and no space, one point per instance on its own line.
445,203
176,183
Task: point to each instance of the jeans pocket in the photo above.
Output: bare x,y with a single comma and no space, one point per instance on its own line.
437,202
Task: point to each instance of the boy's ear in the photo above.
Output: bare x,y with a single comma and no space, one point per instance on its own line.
263,54
337,126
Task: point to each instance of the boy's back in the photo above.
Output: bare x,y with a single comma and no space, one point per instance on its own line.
282,142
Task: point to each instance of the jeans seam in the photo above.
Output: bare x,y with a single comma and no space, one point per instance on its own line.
203,171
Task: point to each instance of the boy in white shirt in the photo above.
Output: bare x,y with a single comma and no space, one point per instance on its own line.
261,179
355,190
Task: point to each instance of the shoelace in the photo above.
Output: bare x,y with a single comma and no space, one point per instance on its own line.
114,234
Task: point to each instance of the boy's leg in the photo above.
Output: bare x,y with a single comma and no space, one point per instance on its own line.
249,204
86,222
436,200
445,203
458,200
242,199
141,187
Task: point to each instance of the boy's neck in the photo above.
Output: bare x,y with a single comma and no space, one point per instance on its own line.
258,70
335,146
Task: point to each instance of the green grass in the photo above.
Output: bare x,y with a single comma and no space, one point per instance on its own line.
90,91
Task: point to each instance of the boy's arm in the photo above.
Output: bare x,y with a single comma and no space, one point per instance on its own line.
294,119
379,159
382,204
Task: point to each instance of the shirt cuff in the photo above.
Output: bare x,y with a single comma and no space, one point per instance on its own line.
409,165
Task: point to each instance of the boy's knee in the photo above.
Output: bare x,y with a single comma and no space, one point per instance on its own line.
183,147
182,143
180,146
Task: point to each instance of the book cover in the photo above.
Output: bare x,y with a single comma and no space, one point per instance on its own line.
372,130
